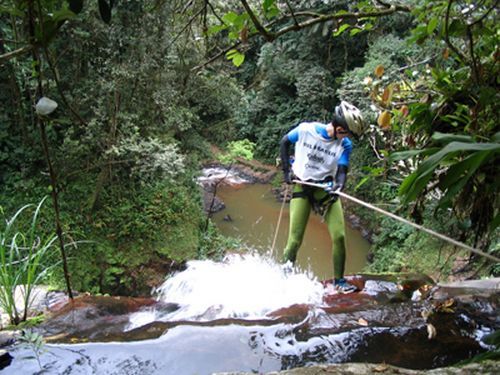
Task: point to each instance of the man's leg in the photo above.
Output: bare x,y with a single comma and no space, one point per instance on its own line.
300,209
335,222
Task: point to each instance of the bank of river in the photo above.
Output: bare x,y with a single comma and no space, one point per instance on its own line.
252,213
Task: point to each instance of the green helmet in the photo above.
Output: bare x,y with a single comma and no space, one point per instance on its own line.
349,116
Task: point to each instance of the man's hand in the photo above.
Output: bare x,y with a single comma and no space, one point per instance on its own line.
332,190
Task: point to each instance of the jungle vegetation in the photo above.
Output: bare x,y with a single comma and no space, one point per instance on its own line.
144,87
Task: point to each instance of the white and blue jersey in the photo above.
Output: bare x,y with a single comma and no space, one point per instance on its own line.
317,155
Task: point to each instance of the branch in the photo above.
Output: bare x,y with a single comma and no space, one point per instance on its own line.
18,52
485,14
291,12
475,70
427,60
399,7
318,18
373,144
185,27
59,89
328,17
447,35
221,53
215,13
261,29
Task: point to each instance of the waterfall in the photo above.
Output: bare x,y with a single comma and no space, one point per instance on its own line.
241,286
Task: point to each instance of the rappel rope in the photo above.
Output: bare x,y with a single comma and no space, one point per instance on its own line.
419,227
279,219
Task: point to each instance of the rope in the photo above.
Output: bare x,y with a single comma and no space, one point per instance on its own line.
419,227
279,220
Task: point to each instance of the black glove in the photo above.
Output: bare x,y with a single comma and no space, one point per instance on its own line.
332,189
337,187
287,177
285,158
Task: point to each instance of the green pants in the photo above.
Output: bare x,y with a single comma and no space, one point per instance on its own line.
300,209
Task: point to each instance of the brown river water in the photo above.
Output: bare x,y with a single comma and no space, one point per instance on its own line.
254,213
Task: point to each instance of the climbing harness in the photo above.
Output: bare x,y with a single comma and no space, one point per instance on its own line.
419,227
319,206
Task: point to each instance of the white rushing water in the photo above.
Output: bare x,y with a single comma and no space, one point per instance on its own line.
242,286
216,174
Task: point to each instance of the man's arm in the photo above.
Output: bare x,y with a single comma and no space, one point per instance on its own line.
285,144
343,165
285,158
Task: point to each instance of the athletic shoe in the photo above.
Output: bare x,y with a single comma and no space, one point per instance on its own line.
343,287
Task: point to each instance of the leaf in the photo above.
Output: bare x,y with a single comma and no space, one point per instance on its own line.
384,120
379,71
355,31
403,155
236,57
362,322
63,15
446,54
76,6
238,60
415,183
431,331
50,28
447,138
448,303
105,11
405,111
381,368
457,28
267,4
431,26
454,180
341,29
467,166
244,34
215,29
230,17
387,94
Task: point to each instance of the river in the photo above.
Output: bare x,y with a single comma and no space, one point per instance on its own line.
254,213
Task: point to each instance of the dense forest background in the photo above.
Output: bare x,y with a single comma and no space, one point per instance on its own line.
145,88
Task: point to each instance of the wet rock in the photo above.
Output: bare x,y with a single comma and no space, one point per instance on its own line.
5,359
486,288
368,326
217,204
228,218
485,367
8,337
92,318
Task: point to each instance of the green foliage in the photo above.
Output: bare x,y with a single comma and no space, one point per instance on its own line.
457,122
34,341
126,164
214,246
462,161
401,248
237,149
145,228
22,249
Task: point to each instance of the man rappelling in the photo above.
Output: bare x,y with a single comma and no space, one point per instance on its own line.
322,153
